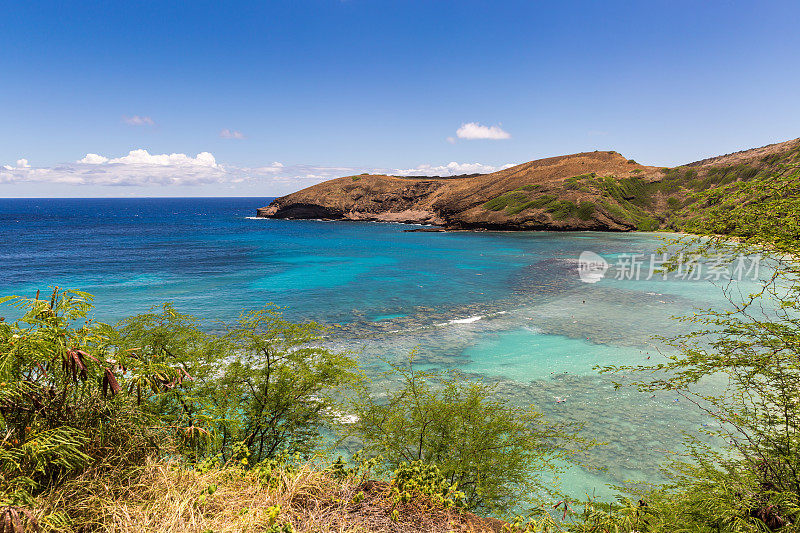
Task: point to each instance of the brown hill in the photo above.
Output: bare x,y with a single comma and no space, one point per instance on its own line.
585,191
762,154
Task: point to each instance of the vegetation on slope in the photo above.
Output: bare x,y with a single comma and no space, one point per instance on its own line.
484,446
669,202
457,202
280,496
755,484
155,424
84,403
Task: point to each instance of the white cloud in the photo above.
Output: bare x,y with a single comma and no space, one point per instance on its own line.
231,134
451,140
137,168
136,120
473,130
21,163
141,169
450,169
143,157
93,159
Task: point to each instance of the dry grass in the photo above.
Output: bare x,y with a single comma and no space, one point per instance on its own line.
166,498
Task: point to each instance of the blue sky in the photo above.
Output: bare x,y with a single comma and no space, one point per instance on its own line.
275,96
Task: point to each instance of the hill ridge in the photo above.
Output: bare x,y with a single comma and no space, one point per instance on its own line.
600,190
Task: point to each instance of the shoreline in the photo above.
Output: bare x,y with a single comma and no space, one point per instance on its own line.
437,228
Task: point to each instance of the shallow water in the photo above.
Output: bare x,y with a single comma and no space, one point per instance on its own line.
506,307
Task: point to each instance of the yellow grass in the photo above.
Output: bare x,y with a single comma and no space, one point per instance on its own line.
167,498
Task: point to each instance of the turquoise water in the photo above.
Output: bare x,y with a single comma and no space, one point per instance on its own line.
505,307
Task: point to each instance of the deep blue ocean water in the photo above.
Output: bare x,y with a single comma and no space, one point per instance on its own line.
211,259
506,306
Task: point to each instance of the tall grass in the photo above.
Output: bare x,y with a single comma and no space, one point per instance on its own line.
312,496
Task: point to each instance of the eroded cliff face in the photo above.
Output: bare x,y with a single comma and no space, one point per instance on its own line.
601,191
365,197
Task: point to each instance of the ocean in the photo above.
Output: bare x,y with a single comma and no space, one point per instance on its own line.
507,307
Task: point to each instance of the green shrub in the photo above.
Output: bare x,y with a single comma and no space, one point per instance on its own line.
263,383
76,394
518,200
543,201
648,224
64,402
417,479
571,184
749,479
630,189
482,445
516,209
615,210
773,158
562,209
510,198
724,175
576,182
585,210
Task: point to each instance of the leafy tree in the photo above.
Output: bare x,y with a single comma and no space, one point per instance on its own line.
77,394
762,213
160,339
276,387
754,349
262,382
60,404
483,446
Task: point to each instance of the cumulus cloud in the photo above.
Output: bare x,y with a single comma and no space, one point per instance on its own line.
473,130
140,168
137,168
93,159
137,120
20,164
450,169
143,157
231,134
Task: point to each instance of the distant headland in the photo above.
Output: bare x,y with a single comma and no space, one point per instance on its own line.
600,191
